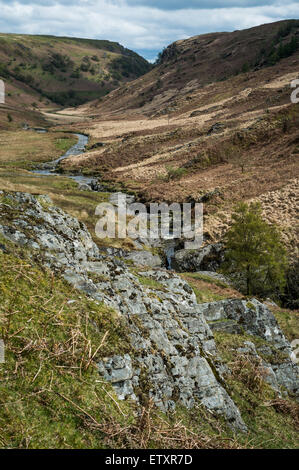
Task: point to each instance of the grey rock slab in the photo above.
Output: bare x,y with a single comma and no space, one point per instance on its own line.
172,346
207,258
144,258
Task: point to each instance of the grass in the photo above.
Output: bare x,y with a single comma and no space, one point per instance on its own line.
272,422
62,144
51,395
23,149
174,173
208,289
288,321
150,283
209,279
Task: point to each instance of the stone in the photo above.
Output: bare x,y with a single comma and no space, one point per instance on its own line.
227,326
208,258
85,187
216,128
255,318
173,353
144,258
95,185
116,369
3,248
113,199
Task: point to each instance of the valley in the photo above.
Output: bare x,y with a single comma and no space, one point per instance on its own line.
145,345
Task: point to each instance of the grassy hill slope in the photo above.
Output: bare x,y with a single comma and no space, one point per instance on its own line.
66,71
53,397
216,130
188,65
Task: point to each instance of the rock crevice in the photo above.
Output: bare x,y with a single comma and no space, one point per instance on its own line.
173,353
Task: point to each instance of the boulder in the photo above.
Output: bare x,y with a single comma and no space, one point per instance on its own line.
144,258
254,318
95,185
208,258
84,187
172,346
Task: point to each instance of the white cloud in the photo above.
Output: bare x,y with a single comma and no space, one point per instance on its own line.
137,27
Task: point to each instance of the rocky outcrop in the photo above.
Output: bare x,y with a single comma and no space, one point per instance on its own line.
173,353
216,128
207,258
144,258
254,318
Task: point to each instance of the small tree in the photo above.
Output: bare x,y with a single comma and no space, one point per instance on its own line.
255,257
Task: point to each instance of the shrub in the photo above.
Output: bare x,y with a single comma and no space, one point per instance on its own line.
290,297
175,173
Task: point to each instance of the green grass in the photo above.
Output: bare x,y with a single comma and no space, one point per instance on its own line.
50,66
50,392
269,427
211,280
208,289
150,283
288,321
24,149
64,143
51,395
206,295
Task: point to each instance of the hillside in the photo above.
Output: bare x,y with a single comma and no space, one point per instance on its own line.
101,353
138,343
189,65
46,71
216,130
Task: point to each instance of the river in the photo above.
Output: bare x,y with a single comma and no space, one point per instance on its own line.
48,169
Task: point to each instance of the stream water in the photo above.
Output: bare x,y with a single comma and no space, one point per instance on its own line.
49,168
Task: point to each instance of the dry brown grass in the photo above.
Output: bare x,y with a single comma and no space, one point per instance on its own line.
250,371
25,147
286,407
152,430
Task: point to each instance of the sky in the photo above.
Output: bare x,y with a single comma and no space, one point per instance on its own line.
145,26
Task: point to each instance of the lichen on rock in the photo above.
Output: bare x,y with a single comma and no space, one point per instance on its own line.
173,356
